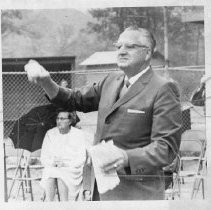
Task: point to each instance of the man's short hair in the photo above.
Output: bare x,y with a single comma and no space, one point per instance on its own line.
145,33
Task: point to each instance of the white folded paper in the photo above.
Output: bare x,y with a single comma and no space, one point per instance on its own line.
100,155
34,70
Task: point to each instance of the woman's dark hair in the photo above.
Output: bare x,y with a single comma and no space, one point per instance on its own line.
71,115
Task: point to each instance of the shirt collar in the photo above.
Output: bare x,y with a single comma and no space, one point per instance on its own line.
133,79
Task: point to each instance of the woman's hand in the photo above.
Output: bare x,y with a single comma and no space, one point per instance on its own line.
58,162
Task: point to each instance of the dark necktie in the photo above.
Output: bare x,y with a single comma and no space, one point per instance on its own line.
124,88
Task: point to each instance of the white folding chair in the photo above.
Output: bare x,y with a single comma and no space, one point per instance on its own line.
192,151
174,189
21,178
200,178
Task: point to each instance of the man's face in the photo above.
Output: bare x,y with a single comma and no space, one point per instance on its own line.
133,50
63,122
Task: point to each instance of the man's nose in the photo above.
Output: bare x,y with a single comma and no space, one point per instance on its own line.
122,50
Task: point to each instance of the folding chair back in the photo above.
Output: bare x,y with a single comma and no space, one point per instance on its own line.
192,135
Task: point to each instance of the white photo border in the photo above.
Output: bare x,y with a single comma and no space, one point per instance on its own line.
59,4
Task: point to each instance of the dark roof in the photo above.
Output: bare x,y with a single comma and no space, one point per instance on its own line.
50,63
194,17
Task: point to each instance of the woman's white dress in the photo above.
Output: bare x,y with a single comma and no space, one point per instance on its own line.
71,149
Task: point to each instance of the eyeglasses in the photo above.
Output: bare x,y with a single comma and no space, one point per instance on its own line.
62,118
129,46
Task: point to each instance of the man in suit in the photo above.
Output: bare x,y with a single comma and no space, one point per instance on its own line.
142,118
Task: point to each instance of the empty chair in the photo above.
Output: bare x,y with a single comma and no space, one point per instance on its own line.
192,151
18,171
190,164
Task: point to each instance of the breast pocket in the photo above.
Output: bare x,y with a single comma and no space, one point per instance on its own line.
136,118
135,111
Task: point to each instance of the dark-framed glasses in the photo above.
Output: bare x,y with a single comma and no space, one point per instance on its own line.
129,46
62,118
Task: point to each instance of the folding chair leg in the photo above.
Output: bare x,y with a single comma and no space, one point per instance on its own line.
196,188
182,167
179,188
21,185
202,185
13,181
193,190
30,184
31,192
5,176
57,190
23,193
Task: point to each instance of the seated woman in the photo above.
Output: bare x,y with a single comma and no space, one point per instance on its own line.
63,156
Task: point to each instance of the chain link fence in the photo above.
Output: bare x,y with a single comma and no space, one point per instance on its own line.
20,96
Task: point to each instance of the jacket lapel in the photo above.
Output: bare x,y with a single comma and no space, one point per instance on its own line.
115,85
135,89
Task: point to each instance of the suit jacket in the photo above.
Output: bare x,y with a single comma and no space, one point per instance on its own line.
145,122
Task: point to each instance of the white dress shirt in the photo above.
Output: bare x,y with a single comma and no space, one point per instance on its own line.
133,79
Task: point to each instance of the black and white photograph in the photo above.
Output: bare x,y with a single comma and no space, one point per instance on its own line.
105,103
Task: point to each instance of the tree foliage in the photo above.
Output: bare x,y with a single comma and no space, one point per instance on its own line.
35,33
13,22
110,22
26,33
183,38
7,24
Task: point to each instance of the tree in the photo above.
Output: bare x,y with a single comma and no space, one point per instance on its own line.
110,22
7,24
27,33
13,22
64,39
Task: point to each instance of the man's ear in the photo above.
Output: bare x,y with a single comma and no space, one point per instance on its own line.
71,122
148,55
